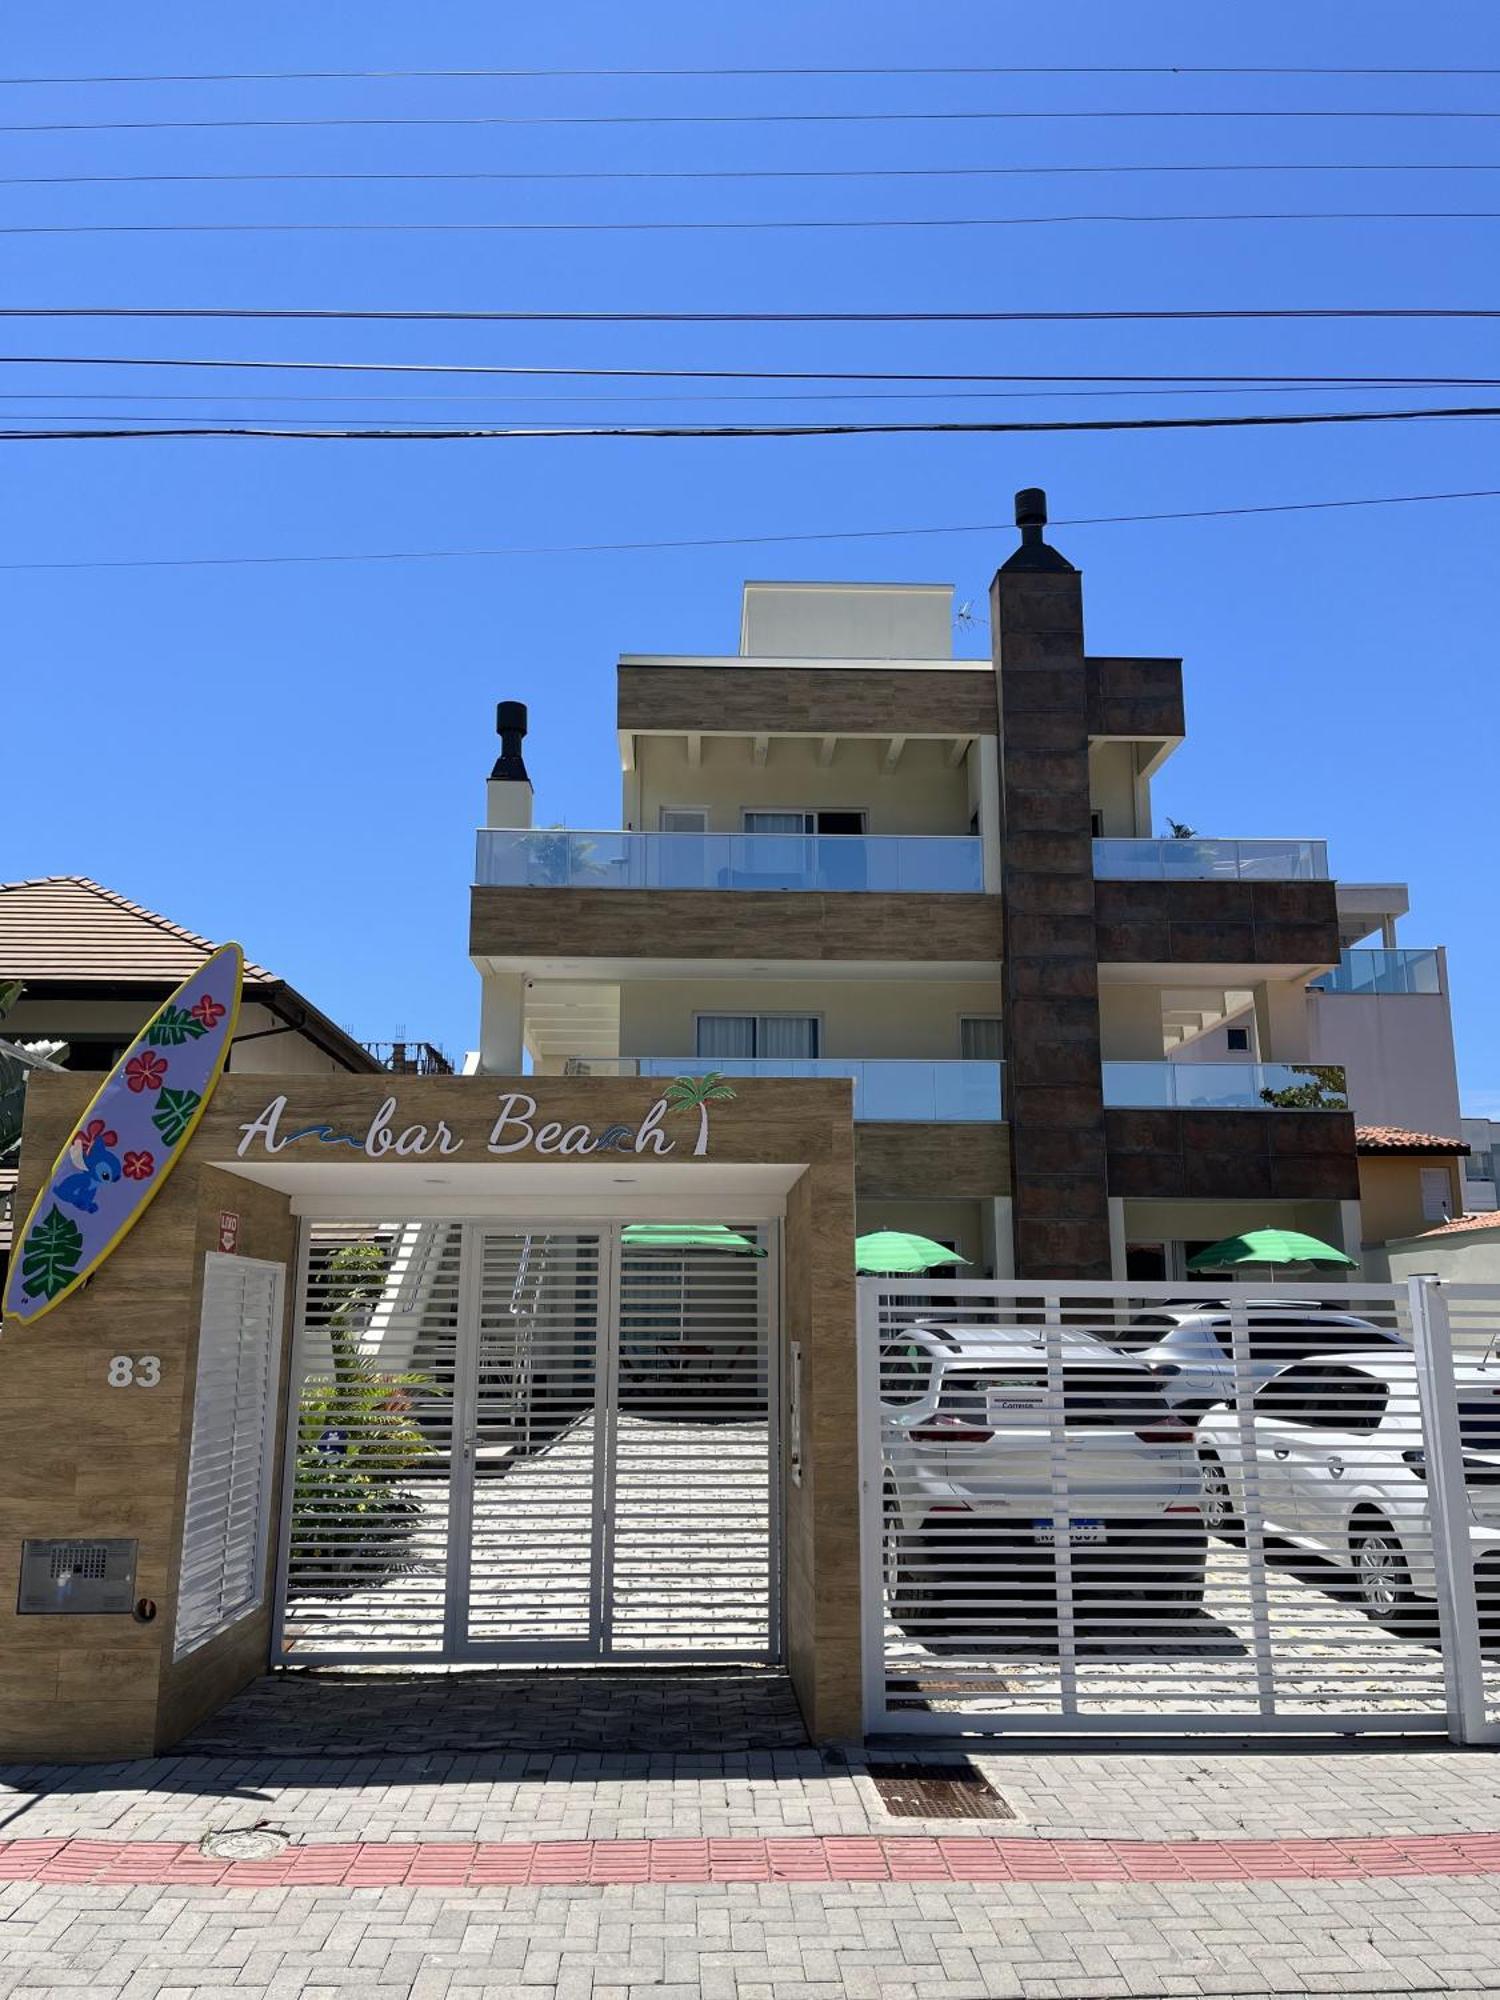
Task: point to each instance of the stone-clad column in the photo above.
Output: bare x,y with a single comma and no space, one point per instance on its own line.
1050,972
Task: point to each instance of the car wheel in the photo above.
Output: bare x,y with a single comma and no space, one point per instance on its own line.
1382,1581
1219,1516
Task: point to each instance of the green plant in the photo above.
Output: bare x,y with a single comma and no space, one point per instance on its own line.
696,1093
1325,1089
356,1436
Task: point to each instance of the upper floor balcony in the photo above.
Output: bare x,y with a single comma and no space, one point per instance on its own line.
1225,1086
560,858
1194,860
1371,971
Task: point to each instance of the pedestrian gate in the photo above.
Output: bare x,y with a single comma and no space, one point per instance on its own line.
529,1444
1120,1508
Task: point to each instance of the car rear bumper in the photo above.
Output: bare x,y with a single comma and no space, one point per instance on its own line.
1142,1556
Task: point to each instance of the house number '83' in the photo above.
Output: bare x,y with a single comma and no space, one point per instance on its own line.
138,1371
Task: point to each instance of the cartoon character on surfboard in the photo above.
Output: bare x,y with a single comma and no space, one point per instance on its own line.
128,1140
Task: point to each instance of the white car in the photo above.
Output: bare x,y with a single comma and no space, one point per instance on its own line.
980,1468
1341,1468
1193,1359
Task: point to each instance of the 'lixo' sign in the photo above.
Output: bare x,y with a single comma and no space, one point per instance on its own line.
514,1131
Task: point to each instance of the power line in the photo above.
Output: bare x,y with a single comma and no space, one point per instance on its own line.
389,434
779,223
771,173
525,371
572,118
799,69
550,317
741,541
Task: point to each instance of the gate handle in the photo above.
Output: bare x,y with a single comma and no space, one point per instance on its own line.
1336,1467
1281,1451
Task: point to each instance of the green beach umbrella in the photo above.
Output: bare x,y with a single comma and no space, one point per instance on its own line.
1268,1247
688,1236
897,1252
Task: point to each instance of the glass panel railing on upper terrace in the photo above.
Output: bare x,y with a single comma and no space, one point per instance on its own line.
1211,860
1225,1086
558,858
897,1090
1370,970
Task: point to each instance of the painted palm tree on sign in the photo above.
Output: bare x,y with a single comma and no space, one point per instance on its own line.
696,1093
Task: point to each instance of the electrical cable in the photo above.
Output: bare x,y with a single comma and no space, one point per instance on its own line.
771,70
616,228
612,118
930,428
469,316
746,541
774,173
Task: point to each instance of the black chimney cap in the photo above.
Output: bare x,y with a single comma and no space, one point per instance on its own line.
510,727
1035,552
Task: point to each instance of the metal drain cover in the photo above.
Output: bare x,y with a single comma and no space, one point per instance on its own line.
243,1843
938,1791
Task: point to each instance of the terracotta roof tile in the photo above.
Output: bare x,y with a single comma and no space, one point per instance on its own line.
1458,1223
66,927
1397,1139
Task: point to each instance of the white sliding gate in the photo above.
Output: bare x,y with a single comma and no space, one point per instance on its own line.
1285,1519
531,1444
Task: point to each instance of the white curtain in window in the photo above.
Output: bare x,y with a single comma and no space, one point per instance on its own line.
775,822
726,1035
788,1035
979,1038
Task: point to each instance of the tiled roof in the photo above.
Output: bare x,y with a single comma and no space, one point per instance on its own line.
1397,1139
1458,1223
65,927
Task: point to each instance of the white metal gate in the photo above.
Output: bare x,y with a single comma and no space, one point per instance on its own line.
1120,1508
532,1444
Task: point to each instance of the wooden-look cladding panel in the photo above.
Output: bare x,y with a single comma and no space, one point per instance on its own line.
858,701
1186,923
1232,1155
1135,698
909,1161
732,923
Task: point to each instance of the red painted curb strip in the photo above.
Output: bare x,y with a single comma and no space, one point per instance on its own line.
901,1858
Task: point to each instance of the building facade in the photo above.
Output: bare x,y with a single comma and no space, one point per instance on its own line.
1078,1049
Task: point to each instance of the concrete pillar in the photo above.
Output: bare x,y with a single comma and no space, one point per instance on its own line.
1050,969
1282,1021
1116,1236
999,1226
987,754
502,1023
1351,1229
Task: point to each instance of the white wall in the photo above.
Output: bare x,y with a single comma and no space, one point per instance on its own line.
922,795
1468,1257
847,621
1114,791
861,1017
1397,1050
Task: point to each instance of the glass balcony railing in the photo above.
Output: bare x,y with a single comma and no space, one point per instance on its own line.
1225,1086
555,858
1211,860
899,1091
1369,970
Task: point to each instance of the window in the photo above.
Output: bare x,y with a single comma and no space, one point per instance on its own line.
1326,1398
979,1038
1237,1041
750,1035
228,1511
1437,1194
1096,824
804,822
683,819
905,1373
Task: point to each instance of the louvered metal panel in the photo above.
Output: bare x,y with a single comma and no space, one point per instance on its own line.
230,1469
1135,1507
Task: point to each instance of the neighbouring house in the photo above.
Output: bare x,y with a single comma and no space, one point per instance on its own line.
1077,1048
94,967
1408,1181
1482,1167
1465,1251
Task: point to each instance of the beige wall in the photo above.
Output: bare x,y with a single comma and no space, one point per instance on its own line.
944,1221
1129,1023
1468,1257
1397,1049
1114,789
860,1017
1189,1221
922,795
1390,1194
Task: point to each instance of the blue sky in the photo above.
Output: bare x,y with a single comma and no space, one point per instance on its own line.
295,755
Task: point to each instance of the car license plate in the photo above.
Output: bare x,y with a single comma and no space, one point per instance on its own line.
1045,1533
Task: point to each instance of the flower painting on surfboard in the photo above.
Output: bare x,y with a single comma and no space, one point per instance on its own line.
133,1133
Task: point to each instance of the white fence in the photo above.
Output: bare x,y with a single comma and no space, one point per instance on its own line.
1121,1508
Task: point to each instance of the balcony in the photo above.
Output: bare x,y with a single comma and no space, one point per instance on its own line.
553,858
1211,860
1370,971
885,1091
1224,1086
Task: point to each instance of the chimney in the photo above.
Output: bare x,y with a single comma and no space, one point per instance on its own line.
1035,552
510,797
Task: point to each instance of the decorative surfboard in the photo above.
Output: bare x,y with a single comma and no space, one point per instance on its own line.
133,1133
